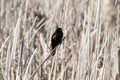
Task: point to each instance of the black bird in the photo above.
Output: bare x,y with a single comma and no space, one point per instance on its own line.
56,39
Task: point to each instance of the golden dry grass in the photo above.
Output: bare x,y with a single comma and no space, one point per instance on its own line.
90,50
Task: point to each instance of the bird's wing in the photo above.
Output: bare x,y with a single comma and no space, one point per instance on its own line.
54,36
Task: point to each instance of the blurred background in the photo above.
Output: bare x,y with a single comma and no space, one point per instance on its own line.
90,50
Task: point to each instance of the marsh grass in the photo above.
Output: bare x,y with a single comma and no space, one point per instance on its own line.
90,50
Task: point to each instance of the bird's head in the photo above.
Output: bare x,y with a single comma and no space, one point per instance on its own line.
59,29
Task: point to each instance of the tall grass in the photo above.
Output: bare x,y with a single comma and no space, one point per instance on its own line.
90,50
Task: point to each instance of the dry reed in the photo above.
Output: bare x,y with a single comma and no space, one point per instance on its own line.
90,50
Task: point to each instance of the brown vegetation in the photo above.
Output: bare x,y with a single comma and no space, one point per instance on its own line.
90,50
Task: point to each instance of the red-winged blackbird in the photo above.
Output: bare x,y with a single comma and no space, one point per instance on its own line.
56,39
